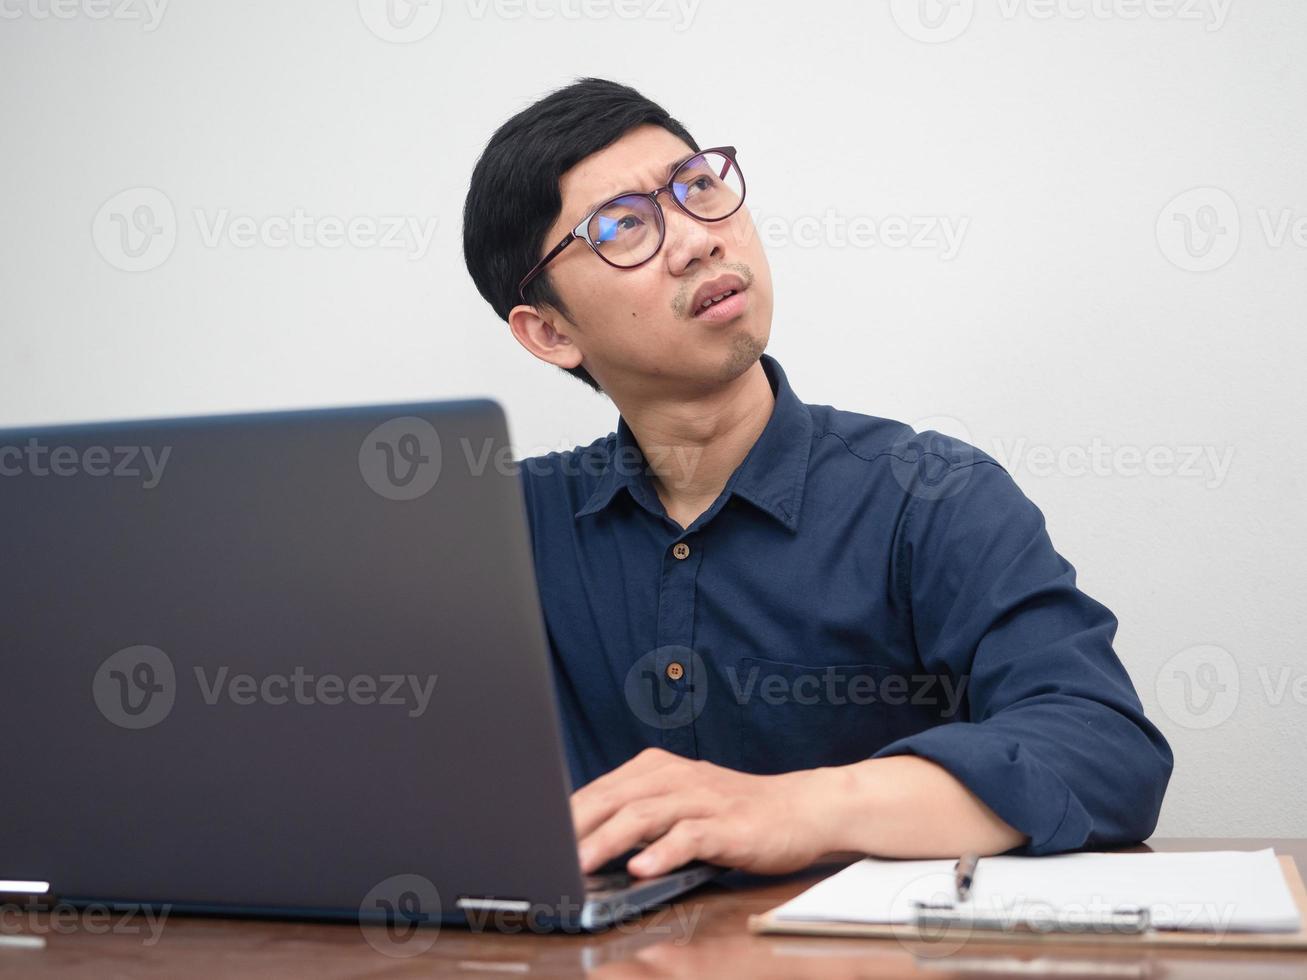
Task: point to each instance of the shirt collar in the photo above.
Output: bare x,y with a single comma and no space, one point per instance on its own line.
771,477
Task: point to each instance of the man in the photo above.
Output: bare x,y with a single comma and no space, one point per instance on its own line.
779,630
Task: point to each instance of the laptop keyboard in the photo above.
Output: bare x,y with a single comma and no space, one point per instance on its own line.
607,881
612,874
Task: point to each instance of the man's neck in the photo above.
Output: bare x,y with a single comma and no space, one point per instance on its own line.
693,446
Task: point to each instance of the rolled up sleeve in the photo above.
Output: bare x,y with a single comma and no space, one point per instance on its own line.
1053,737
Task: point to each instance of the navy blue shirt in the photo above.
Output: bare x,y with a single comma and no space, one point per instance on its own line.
857,590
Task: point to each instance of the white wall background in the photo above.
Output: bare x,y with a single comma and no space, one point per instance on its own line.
1070,326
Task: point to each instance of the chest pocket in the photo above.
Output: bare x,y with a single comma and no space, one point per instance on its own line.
799,716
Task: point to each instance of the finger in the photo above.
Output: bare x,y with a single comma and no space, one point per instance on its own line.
643,820
637,822
602,806
645,761
689,840
648,774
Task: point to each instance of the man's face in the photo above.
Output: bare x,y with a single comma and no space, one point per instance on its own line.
638,328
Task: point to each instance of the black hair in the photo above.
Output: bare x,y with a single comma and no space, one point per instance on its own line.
514,195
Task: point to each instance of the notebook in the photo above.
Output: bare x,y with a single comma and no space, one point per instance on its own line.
1202,892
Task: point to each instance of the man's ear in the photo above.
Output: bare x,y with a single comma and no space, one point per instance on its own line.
546,334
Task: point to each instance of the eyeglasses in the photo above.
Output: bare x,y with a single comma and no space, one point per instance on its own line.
628,230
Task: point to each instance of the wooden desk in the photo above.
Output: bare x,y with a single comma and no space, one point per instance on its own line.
702,936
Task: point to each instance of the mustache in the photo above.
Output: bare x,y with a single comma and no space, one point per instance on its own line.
681,305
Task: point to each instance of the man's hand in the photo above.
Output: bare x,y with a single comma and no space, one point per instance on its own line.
898,806
693,810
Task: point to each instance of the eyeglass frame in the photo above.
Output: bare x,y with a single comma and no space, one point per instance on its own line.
582,230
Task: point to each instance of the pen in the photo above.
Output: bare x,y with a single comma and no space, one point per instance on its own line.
964,872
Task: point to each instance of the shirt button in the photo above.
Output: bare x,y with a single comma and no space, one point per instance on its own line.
675,671
681,550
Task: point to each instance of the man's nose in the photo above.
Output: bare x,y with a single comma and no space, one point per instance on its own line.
688,238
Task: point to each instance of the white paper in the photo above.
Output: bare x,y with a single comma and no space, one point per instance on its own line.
1208,891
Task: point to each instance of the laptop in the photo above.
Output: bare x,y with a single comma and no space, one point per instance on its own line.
286,664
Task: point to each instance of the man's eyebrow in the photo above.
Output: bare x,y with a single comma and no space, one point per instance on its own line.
667,175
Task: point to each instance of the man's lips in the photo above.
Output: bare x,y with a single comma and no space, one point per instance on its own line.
719,286
727,309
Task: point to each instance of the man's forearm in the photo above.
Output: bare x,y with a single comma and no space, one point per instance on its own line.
906,806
